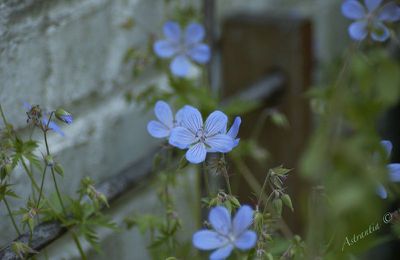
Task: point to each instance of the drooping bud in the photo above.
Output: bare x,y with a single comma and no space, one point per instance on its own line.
64,116
49,160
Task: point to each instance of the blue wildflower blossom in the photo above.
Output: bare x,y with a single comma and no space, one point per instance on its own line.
234,130
393,169
227,234
182,47
163,127
201,138
41,119
370,19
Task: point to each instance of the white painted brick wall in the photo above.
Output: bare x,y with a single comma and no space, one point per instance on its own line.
69,53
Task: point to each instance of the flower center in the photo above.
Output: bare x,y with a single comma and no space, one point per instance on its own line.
201,135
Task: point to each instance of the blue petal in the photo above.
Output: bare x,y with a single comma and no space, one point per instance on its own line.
196,153
157,130
181,137
208,240
390,12
179,116
380,32
372,4
200,53
192,119
220,143
220,220
387,145
233,132
172,31
164,113
358,30
215,123
352,9
180,66
53,126
381,191
194,33
165,48
222,253
67,119
242,220
246,240
394,172
27,106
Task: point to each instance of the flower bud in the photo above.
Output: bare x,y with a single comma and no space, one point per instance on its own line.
49,160
64,116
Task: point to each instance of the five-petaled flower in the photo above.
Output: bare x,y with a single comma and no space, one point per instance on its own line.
182,47
201,138
227,234
370,19
393,168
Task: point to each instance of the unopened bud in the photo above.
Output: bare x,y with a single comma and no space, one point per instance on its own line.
64,116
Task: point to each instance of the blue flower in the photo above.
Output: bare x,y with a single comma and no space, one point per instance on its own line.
393,169
227,234
201,138
64,116
40,118
370,19
163,127
182,47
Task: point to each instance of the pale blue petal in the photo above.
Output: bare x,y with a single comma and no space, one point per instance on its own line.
164,113
157,130
180,66
172,31
196,153
215,123
200,53
387,145
220,220
394,172
380,32
381,191
53,126
372,4
234,130
27,106
352,9
390,12
246,240
192,119
220,143
179,116
194,33
222,253
242,220
358,30
181,137
208,240
165,48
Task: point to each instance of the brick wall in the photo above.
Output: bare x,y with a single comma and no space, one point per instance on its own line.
69,53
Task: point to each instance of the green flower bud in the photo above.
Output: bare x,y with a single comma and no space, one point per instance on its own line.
64,116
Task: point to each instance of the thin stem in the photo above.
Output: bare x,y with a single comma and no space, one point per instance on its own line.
206,182
226,176
11,216
78,245
30,175
41,185
3,116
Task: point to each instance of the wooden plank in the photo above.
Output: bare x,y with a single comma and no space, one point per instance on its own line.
253,46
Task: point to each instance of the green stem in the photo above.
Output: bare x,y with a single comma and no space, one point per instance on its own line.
30,175
78,245
3,116
41,185
206,182
11,216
